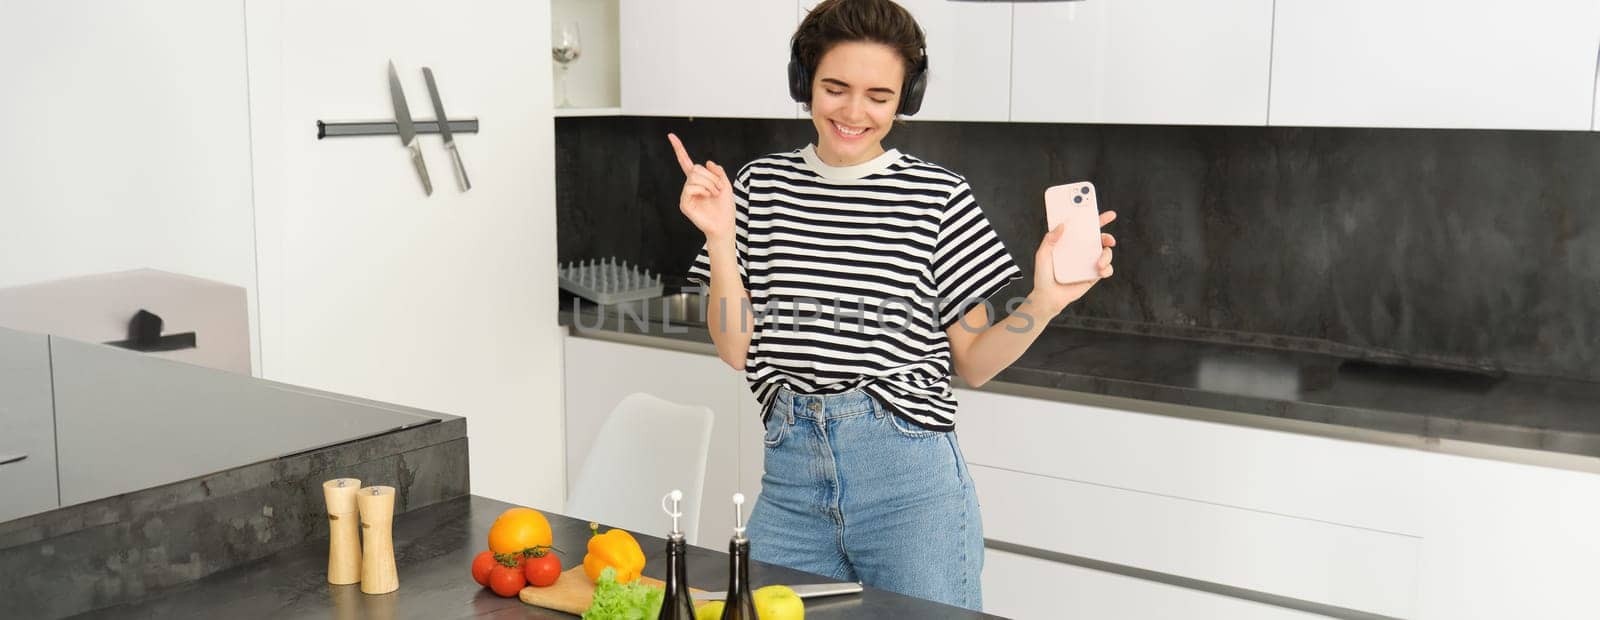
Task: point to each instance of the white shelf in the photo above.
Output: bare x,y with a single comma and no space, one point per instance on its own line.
587,112
593,79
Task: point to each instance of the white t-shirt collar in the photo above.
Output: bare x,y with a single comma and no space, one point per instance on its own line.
848,173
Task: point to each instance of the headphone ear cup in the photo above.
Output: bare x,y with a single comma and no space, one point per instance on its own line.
799,82
911,102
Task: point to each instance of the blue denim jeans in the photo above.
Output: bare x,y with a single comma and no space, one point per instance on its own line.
854,493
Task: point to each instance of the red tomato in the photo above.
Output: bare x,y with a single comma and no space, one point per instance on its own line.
481,566
506,581
542,570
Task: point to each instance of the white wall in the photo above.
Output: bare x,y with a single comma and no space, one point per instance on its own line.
124,140
370,288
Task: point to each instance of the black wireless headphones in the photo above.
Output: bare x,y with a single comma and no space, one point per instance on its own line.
910,93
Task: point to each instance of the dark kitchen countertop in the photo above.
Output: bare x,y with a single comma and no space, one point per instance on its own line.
434,547
1554,422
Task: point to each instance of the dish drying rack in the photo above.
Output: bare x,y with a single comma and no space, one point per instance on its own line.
608,281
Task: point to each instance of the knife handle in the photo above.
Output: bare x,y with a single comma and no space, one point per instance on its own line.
813,590
461,169
422,168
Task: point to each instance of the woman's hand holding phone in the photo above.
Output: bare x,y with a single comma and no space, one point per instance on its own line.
707,198
1055,295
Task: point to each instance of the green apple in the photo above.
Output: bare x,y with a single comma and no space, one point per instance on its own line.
709,611
778,603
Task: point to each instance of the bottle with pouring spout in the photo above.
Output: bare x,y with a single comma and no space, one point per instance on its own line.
677,604
741,605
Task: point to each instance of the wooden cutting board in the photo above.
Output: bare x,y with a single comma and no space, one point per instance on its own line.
573,592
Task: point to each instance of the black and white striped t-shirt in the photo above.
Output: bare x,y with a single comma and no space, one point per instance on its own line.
846,267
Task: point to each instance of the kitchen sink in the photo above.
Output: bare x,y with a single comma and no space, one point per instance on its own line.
684,308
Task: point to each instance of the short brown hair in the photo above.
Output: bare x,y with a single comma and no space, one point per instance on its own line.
841,21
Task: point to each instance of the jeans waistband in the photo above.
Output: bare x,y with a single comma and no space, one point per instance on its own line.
790,405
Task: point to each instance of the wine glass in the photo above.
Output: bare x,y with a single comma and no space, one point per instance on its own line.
565,48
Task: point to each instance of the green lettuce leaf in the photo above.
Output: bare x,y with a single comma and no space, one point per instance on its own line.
623,601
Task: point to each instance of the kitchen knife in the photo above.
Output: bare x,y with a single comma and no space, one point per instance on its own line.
812,590
407,131
444,130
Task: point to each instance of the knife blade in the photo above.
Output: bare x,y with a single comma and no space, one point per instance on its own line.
810,590
444,130
407,131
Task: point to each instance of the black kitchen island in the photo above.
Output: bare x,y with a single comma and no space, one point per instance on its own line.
434,547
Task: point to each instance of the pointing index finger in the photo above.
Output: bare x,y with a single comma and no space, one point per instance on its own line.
683,156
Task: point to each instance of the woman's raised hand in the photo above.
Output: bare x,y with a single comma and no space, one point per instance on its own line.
707,198
1054,295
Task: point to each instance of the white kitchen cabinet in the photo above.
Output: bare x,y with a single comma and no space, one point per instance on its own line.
600,373
1169,62
969,59
717,58
1345,482
969,52
1341,526
1507,540
1029,588
1381,529
1303,559
1435,63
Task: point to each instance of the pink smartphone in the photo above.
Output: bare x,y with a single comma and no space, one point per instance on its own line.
1079,248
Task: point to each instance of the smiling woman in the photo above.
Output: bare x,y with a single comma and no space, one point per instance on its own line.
871,63
893,261
856,105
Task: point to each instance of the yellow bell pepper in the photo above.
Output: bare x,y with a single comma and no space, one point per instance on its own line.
615,548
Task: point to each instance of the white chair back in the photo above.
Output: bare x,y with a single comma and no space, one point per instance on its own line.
647,447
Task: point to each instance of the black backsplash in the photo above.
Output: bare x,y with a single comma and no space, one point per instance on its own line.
1476,249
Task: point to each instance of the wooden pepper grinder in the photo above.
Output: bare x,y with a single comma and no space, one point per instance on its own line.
378,575
344,537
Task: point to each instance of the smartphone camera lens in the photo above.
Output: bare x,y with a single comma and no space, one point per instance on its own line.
1077,199
1083,190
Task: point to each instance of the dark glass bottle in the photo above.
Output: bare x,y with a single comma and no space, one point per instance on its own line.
677,605
741,605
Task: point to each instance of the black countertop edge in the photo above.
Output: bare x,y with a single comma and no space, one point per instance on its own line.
340,455
434,548
1519,418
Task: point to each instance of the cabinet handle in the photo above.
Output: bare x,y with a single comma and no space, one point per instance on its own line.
7,459
144,335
